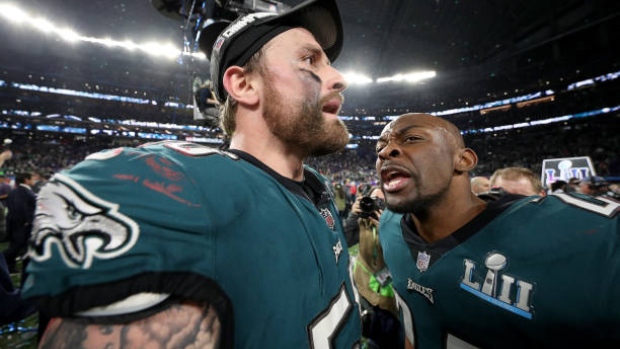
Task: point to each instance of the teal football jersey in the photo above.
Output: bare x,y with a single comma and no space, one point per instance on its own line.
195,223
526,273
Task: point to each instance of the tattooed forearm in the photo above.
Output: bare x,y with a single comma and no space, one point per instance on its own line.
179,326
59,334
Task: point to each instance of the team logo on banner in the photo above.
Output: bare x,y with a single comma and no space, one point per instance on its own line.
423,261
565,169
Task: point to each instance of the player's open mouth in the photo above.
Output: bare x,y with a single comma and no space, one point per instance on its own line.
393,178
332,106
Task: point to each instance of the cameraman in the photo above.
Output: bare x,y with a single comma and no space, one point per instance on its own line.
351,225
370,275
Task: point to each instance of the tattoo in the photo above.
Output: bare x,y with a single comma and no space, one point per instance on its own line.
59,336
178,326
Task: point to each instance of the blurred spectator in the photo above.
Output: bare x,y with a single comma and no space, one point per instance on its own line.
341,198
21,203
196,84
558,186
351,223
370,274
572,185
517,180
12,306
5,189
593,186
480,184
38,179
207,104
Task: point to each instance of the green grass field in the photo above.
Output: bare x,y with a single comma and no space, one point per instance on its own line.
22,334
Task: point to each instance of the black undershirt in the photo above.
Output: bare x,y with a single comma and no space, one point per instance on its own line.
438,248
311,188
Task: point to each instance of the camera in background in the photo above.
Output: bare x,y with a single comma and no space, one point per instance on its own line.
370,205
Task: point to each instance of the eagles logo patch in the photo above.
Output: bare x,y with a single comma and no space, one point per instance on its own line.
82,226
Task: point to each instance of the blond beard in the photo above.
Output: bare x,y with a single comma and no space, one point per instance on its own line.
301,124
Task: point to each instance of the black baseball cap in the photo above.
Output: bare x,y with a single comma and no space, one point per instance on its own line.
227,44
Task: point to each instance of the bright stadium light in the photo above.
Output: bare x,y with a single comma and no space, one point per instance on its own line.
16,15
44,25
413,77
129,45
157,49
357,79
107,42
13,13
68,35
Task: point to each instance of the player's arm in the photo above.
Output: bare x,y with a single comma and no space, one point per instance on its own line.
184,325
4,156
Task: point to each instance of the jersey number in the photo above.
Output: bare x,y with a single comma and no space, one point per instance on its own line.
322,330
602,206
452,342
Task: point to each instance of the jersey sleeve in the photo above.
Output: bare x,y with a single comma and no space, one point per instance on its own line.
123,222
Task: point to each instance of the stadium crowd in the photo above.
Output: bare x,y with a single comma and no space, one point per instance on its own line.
598,139
578,135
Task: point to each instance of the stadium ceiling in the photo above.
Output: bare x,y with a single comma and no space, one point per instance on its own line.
467,38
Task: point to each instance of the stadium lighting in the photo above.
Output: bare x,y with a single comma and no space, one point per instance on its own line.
357,79
129,45
17,15
157,49
105,41
44,25
68,35
13,13
412,77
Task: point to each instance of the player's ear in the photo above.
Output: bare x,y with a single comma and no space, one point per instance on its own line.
240,85
466,160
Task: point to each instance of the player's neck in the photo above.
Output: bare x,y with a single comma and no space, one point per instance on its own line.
284,163
442,220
